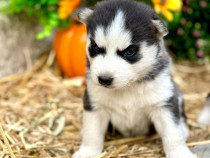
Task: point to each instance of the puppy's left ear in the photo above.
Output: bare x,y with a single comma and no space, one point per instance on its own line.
160,27
84,14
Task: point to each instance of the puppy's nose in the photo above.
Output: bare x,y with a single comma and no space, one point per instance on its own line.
105,80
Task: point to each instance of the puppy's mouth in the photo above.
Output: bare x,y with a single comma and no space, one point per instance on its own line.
108,87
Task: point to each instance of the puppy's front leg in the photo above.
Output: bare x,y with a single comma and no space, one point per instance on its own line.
95,124
172,132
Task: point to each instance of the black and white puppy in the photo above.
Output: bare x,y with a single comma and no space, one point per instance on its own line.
128,79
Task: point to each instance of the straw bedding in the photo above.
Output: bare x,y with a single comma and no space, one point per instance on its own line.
41,115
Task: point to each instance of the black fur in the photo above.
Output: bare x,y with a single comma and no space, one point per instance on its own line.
138,19
208,95
172,105
113,131
86,102
158,67
136,56
158,51
87,63
176,108
93,51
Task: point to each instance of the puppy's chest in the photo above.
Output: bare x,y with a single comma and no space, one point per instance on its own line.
128,104
128,99
122,106
127,112
128,107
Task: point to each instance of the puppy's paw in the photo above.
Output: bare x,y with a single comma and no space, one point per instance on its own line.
86,153
181,152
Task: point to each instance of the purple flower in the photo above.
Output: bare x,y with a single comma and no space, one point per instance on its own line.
196,33
200,54
185,7
180,31
203,4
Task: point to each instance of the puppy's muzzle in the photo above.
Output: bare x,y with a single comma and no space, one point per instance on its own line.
105,80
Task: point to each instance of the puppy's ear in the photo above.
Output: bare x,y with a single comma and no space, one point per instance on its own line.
160,27
84,14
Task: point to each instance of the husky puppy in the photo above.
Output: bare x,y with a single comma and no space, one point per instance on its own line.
204,117
128,79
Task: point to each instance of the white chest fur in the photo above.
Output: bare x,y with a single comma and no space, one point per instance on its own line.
128,107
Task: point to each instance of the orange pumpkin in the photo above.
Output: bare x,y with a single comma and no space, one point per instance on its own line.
69,46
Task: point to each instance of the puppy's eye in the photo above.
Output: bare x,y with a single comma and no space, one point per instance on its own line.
129,53
95,48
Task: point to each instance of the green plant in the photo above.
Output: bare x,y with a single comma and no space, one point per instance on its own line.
189,35
45,11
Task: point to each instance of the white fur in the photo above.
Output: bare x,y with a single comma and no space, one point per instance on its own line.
173,135
130,110
131,102
161,28
204,117
92,140
117,36
123,72
84,14
113,39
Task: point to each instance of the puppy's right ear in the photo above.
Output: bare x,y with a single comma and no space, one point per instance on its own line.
160,26
84,14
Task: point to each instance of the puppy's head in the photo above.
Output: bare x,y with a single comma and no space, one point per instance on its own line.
122,43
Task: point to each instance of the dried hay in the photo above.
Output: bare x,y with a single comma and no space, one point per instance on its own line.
41,115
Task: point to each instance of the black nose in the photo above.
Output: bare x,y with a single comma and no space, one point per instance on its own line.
105,81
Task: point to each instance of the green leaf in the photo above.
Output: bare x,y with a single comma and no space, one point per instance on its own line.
177,17
53,22
53,15
40,36
30,11
43,1
52,2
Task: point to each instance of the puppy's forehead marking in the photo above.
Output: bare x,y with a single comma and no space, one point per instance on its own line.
115,36
100,38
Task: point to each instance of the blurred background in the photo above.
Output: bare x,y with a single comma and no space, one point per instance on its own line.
29,29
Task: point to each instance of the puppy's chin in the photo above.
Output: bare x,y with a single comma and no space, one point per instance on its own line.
120,86
117,85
